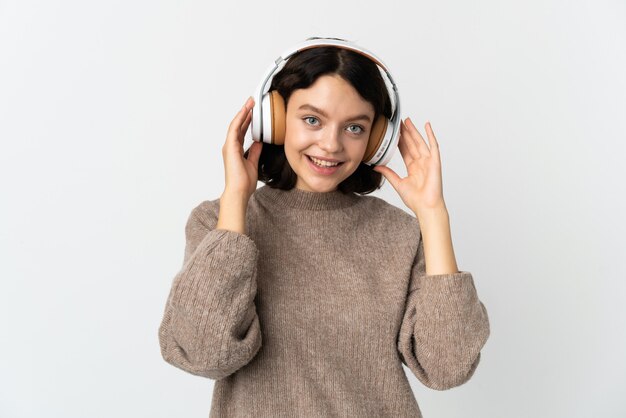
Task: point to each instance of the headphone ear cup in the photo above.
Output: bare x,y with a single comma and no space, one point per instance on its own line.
274,115
379,130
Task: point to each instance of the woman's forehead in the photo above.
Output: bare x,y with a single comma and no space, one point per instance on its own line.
331,96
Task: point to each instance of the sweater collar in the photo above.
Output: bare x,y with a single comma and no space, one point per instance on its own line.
303,199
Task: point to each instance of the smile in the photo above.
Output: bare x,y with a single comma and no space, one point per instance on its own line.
323,169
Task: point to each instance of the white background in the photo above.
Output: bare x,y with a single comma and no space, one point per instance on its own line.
112,118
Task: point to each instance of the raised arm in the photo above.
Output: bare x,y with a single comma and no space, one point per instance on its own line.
444,326
210,327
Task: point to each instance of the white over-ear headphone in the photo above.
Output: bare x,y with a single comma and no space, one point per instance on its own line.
268,113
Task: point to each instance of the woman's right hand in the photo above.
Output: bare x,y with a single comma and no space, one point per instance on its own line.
241,174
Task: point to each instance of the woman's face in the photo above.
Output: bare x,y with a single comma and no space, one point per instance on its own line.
331,121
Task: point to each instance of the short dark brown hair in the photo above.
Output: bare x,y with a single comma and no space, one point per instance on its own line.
301,71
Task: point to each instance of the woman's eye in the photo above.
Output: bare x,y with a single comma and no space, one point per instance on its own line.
359,131
309,117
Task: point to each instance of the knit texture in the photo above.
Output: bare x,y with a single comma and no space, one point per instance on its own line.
314,310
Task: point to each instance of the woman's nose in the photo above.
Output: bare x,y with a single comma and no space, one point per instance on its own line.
331,141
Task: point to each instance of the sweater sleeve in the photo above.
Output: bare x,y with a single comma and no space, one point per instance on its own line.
443,328
210,327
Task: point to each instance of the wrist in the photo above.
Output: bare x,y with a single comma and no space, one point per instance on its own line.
234,197
432,211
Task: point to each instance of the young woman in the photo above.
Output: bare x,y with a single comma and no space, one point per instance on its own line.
305,297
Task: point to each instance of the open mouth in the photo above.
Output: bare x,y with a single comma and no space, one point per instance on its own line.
323,166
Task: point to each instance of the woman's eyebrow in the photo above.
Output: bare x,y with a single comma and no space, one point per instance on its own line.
321,112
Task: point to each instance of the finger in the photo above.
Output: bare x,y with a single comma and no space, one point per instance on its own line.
246,123
255,152
421,143
389,174
406,155
235,124
431,136
410,142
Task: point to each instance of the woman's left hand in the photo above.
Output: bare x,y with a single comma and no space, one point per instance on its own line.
421,189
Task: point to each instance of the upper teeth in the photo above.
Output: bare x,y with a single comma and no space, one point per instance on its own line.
324,163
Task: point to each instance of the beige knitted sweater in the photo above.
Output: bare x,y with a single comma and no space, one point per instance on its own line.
314,310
